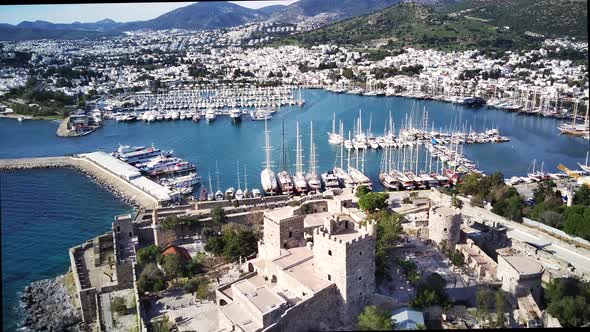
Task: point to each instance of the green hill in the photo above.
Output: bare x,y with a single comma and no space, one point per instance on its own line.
554,18
414,25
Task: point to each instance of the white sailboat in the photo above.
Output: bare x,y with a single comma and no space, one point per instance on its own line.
247,194
334,137
312,177
267,176
218,194
239,193
284,180
299,177
210,195
343,177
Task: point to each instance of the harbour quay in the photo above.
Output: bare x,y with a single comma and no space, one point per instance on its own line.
110,172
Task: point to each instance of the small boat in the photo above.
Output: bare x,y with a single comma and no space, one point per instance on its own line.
256,193
210,115
235,115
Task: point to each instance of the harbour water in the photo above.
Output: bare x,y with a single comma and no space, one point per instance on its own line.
44,212
65,193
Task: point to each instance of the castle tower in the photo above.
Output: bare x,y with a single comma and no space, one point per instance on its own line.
346,256
444,224
282,230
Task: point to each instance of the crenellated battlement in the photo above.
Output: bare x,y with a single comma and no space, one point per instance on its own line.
362,234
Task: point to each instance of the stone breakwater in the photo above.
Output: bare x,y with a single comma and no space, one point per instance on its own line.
118,187
48,307
121,195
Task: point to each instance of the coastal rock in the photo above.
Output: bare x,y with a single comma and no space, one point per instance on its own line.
48,307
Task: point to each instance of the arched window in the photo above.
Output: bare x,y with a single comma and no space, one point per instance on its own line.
329,252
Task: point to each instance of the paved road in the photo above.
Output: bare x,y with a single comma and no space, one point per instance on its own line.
579,261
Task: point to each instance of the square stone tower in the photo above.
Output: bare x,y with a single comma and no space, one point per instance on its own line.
282,230
344,253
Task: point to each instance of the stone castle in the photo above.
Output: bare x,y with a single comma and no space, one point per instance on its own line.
305,277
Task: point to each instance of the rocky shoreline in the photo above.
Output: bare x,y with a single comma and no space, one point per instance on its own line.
117,193
47,306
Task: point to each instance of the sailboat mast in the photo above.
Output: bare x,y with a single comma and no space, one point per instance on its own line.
238,167
210,186
267,144
217,174
342,147
245,179
283,155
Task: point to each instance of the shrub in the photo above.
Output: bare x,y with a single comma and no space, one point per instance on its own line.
118,305
151,279
374,319
148,254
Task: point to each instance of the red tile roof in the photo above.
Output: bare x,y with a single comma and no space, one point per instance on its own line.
173,249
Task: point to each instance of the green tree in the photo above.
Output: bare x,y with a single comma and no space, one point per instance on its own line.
203,291
151,279
544,190
483,301
373,318
218,215
148,254
457,258
470,184
568,300
388,232
361,191
195,266
373,201
169,223
174,266
431,291
215,245
500,321
582,196
577,221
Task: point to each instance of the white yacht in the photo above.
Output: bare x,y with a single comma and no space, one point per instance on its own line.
210,115
235,114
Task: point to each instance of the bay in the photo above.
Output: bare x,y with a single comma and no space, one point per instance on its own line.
44,212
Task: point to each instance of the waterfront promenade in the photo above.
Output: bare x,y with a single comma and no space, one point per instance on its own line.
104,177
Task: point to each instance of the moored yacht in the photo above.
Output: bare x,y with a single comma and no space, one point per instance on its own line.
267,176
210,115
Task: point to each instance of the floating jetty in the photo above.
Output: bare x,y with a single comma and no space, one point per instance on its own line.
106,170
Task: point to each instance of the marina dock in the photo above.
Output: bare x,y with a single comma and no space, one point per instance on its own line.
106,170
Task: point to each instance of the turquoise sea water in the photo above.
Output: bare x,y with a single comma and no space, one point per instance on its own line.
45,212
41,209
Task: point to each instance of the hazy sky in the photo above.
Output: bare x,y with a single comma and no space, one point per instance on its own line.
120,12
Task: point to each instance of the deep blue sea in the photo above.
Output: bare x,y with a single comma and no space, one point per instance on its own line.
61,208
